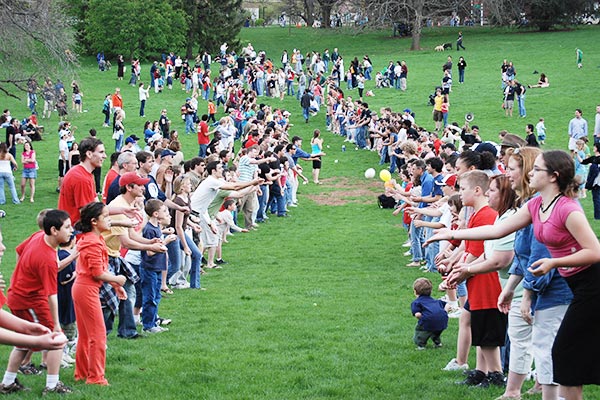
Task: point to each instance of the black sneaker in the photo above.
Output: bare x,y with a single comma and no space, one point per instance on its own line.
220,261
484,384
474,378
60,388
29,369
497,379
13,388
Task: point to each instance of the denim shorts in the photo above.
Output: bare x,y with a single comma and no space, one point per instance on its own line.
29,173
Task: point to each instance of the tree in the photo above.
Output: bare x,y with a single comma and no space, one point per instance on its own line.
134,27
304,9
37,39
212,23
414,12
326,6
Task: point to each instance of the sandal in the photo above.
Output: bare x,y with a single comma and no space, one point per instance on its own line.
166,291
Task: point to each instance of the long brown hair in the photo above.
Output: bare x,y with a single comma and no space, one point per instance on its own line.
561,164
525,156
508,197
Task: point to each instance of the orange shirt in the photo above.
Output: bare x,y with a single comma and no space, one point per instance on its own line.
212,109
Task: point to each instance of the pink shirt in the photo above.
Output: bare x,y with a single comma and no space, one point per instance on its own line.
553,233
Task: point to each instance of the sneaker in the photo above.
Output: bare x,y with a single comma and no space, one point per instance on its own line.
475,378
454,312
497,379
156,329
437,345
64,364
453,365
220,261
420,348
13,388
163,321
29,369
182,285
67,358
408,243
60,388
413,264
407,253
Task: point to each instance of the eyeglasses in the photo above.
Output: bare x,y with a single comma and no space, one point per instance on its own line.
536,169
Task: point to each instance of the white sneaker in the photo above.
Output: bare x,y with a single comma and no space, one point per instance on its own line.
454,312
453,365
67,358
407,244
407,253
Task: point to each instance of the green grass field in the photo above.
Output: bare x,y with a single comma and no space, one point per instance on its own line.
316,306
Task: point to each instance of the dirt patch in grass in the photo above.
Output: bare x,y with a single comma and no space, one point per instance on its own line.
346,191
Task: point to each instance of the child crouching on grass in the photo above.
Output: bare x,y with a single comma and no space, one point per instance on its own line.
153,264
432,318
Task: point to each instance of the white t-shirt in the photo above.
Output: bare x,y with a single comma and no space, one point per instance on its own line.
204,194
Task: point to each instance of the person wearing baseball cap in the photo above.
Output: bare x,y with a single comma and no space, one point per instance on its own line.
129,178
448,180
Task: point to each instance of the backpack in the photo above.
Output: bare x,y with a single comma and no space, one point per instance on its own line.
384,201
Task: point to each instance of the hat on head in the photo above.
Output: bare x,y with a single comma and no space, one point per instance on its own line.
132,177
129,140
155,137
486,146
134,137
449,180
167,152
407,110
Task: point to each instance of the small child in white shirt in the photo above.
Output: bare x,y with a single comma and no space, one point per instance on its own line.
226,220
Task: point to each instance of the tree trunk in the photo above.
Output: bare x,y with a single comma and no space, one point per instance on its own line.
309,12
416,32
325,16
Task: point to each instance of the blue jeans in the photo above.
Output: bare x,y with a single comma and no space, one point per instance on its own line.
416,242
119,143
290,88
596,201
461,75
361,140
368,73
196,260
262,203
277,202
150,297
127,326
189,124
384,153
521,102
305,113
10,180
432,249
202,150
142,107
174,252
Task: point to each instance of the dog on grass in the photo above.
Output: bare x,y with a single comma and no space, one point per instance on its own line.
447,46
439,48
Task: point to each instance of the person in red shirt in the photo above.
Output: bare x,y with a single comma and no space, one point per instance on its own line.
117,100
488,324
23,333
33,295
78,187
92,270
203,136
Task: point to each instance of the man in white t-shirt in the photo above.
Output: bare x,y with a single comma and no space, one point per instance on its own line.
204,195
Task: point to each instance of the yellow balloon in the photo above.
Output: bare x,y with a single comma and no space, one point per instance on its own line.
385,175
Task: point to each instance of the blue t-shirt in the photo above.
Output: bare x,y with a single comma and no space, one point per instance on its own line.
433,315
426,187
157,261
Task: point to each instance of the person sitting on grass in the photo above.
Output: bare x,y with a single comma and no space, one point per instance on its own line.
542,83
431,316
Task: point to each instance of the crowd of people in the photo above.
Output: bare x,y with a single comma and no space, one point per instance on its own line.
533,286
164,218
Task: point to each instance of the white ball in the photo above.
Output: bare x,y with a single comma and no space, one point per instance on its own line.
327,146
336,161
370,173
